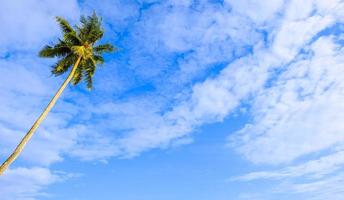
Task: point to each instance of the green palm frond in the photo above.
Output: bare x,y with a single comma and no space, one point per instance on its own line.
73,38
69,34
89,82
89,67
64,25
91,29
98,59
56,51
78,42
104,48
63,65
77,76
88,76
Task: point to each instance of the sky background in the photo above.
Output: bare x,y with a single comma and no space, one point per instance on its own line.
205,99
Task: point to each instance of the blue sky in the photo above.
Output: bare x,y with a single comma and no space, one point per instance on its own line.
205,99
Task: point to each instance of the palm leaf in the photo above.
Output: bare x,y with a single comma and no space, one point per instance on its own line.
64,25
90,30
98,59
77,76
89,81
63,65
72,38
89,67
104,48
56,51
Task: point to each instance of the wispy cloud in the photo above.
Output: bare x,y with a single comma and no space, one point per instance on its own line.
316,169
32,181
297,116
301,113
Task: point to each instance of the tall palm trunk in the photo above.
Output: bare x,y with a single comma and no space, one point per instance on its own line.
29,134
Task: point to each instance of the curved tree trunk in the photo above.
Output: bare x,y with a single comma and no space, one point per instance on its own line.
29,134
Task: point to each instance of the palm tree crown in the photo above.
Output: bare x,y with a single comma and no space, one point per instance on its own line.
78,43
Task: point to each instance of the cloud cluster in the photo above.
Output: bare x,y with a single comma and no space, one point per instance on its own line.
32,180
301,113
28,24
297,115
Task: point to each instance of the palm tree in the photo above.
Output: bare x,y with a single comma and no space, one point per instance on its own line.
75,50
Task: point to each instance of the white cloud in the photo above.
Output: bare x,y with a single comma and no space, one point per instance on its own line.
200,34
298,116
24,29
287,47
32,181
330,188
313,169
314,189
301,113
258,11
